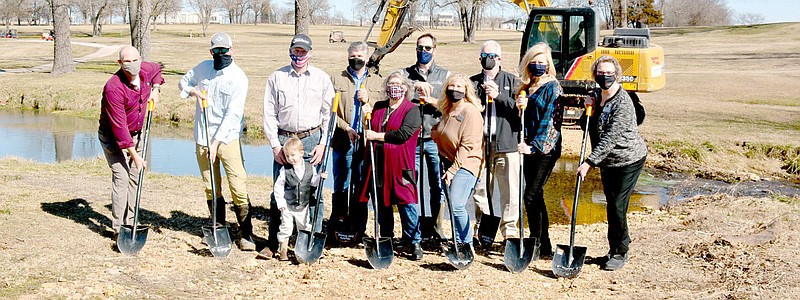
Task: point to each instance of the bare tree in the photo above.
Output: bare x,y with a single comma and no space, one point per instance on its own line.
260,9
696,13
319,11
62,57
365,10
235,9
140,12
749,19
302,16
468,11
619,12
204,9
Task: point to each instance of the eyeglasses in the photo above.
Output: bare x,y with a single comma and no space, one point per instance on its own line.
220,50
426,48
606,73
490,55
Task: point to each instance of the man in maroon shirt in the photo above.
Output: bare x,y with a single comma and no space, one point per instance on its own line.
122,113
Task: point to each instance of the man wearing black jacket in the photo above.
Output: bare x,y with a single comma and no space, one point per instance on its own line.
504,159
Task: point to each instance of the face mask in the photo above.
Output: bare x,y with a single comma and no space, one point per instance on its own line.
221,61
355,63
605,81
300,62
488,63
537,70
132,68
395,92
424,57
454,95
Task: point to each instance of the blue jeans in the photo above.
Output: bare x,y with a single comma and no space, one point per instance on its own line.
431,215
309,143
347,164
460,191
409,221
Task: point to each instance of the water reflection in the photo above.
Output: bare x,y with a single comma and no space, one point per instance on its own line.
47,137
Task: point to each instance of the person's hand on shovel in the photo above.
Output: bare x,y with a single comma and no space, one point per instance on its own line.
137,159
583,169
212,151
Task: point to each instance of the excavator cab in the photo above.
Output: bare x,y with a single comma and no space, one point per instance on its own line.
570,32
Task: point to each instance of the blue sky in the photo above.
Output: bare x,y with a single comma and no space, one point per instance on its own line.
772,10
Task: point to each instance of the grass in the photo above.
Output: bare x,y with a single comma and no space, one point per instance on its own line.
701,117
788,154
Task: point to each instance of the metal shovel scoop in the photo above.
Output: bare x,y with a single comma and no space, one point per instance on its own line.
459,254
308,246
380,252
130,241
216,235
520,251
568,259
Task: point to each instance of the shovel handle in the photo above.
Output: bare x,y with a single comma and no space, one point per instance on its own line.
204,101
589,111
151,105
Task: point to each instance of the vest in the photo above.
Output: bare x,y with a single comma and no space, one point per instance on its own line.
298,192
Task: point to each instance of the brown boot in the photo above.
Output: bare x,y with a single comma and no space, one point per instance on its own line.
283,251
265,253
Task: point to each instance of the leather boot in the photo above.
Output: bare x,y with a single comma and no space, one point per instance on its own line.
243,216
416,251
221,210
283,251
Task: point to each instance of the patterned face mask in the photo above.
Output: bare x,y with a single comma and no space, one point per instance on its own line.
300,61
395,91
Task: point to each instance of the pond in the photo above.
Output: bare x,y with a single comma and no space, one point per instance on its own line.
50,138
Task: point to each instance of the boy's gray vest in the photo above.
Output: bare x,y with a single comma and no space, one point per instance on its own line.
297,191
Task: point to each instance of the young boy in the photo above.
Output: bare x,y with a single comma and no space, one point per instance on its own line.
294,188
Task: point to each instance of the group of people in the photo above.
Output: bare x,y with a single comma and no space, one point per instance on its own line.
422,121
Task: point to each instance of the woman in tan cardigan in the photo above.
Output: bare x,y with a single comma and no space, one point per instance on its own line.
459,136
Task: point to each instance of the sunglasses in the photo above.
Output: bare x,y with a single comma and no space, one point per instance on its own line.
426,48
220,50
490,55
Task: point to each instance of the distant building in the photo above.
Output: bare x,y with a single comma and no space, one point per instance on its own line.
439,19
189,17
514,24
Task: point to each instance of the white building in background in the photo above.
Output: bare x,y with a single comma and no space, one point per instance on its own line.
190,17
439,19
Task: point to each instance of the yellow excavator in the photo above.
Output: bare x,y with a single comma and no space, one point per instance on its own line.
572,33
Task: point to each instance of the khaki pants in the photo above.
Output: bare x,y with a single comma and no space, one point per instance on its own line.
291,216
230,155
124,179
505,169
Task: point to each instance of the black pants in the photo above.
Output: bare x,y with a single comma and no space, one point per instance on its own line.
537,168
618,184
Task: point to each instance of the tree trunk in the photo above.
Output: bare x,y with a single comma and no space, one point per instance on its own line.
620,12
302,16
97,21
140,11
62,58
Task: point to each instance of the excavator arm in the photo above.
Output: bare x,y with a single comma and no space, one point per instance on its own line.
392,31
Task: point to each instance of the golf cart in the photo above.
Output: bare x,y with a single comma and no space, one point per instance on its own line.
336,36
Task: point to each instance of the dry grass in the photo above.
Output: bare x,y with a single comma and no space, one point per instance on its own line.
726,86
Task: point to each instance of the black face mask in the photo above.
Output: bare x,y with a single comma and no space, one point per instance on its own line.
221,61
454,95
488,63
355,63
605,81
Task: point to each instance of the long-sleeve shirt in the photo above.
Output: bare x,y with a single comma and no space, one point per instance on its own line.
226,93
124,104
346,85
297,102
616,141
542,111
459,136
280,183
505,115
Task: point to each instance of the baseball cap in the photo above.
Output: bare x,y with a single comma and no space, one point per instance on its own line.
221,40
302,41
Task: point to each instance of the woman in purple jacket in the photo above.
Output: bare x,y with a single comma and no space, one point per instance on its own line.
395,128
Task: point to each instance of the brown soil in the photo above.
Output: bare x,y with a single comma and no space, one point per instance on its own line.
55,243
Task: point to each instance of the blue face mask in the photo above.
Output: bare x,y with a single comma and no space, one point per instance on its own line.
424,57
537,70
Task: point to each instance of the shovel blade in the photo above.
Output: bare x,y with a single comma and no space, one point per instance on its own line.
379,254
309,253
218,239
566,264
518,256
127,243
460,257
488,230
